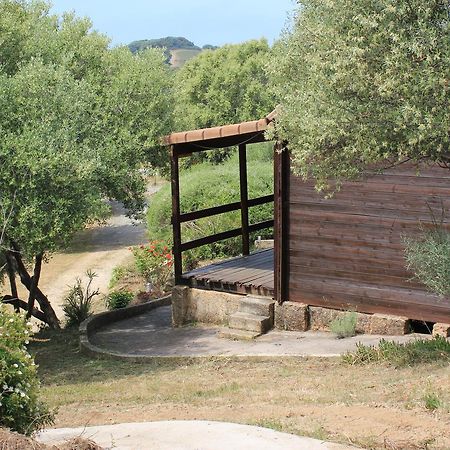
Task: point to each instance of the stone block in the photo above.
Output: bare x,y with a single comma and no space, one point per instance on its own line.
387,325
291,316
181,306
198,305
321,318
250,322
441,329
260,306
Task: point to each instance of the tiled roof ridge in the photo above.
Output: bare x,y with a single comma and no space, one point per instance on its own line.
204,134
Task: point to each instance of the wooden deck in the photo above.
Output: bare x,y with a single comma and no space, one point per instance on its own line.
251,274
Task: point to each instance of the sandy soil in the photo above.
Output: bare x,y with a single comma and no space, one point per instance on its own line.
99,248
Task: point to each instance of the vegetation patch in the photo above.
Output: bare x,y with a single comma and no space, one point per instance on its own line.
428,257
367,405
119,299
21,409
411,353
344,326
77,305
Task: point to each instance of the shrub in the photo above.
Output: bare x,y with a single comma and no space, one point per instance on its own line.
407,354
206,185
154,263
77,304
20,408
428,257
344,326
119,299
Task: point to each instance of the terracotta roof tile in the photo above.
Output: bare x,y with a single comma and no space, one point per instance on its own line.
204,134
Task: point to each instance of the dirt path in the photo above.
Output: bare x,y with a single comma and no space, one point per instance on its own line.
100,249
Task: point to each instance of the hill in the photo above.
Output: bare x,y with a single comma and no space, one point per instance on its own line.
178,49
169,42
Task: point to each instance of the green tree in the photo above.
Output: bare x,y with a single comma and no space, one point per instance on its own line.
227,85
77,122
361,82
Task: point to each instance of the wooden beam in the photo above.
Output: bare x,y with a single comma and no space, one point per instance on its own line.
175,183
281,227
211,239
224,235
244,198
208,212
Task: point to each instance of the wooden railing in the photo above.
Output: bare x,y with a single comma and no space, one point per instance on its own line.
243,205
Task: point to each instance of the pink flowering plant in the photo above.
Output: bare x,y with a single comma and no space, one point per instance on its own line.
154,262
20,408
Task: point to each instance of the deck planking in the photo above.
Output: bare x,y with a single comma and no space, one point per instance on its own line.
252,274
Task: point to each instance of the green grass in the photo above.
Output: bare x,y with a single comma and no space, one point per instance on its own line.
432,401
415,352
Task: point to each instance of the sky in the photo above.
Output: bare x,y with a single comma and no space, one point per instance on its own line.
215,22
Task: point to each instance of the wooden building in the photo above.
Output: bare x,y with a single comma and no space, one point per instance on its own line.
346,252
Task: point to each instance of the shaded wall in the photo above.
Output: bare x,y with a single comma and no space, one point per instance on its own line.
347,252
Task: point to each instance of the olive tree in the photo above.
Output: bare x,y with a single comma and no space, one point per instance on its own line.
362,82
77,121
222,86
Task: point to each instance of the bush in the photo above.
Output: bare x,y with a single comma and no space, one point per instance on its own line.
20,409
407,354
77,305
428,257
154,263
119,299
344,326
206,185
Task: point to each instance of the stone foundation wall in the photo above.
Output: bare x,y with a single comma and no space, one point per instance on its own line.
197,305
293,316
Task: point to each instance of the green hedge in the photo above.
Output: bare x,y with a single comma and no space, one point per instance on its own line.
21,409
206,185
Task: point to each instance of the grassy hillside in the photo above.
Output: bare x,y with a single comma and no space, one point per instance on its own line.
182,55
178,50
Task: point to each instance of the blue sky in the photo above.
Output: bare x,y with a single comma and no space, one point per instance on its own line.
215,22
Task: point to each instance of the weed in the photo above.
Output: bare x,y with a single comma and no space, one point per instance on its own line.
273,424
432,401
407,354
344,326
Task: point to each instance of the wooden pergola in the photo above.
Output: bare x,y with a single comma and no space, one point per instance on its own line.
184,144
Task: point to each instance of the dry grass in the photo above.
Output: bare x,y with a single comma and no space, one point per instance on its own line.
373,406
14,441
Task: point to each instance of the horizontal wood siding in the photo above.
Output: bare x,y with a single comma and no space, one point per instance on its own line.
347,252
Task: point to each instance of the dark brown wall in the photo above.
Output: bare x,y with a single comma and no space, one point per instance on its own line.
347,252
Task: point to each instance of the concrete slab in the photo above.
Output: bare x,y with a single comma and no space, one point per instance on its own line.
151,335
188,435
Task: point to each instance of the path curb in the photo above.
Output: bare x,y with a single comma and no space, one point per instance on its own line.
100,320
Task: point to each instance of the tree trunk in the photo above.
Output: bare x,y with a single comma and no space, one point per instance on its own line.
34,283
49,312
24,305
12,278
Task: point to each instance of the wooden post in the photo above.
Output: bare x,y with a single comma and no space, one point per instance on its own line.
176,225
244,199
281,227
